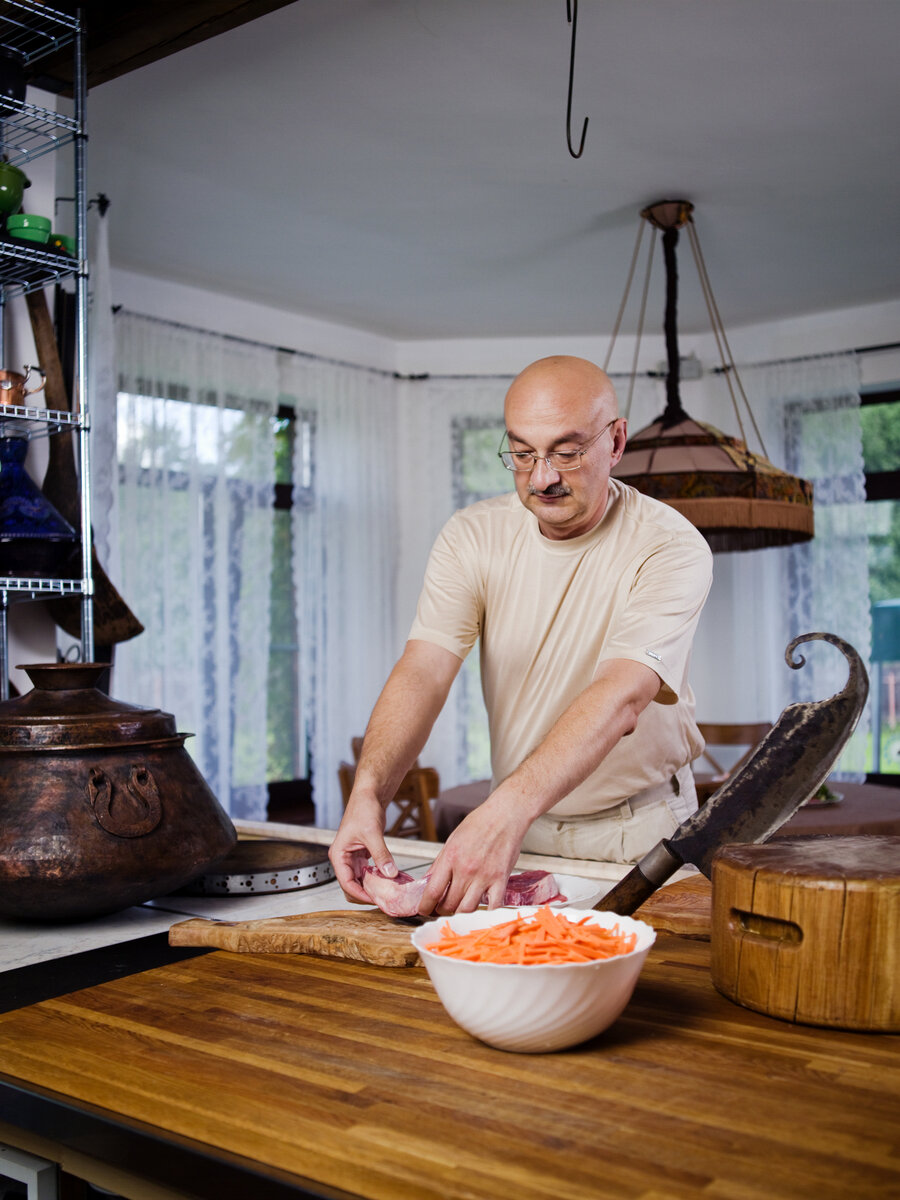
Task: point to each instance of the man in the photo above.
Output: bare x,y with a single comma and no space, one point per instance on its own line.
585,596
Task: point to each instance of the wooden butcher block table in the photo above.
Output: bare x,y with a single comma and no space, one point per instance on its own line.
254,1077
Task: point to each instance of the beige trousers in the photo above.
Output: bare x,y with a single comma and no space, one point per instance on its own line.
622,834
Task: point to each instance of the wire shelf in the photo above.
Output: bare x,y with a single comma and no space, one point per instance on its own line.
17,421
28,131
22,270
12,588
34,30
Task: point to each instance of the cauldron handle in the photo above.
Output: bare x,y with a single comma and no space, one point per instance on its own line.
127,819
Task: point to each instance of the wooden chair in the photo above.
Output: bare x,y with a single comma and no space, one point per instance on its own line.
747,735
414,816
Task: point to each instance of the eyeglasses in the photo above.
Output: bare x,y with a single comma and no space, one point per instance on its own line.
556,460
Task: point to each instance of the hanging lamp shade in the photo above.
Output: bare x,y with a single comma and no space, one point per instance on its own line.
737,498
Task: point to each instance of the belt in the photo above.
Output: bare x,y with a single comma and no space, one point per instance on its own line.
651,795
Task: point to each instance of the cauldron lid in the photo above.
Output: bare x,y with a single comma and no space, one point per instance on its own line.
66,711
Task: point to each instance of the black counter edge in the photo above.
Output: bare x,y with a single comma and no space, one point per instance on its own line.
23,986
148,1153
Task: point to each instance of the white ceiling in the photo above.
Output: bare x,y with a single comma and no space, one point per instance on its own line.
401,165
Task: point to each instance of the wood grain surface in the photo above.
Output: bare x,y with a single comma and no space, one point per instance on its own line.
369,937
354,1077
684,907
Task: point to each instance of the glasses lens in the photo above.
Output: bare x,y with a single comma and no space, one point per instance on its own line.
518,461
564,460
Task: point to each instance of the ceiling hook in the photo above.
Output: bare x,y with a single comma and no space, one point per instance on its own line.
572,17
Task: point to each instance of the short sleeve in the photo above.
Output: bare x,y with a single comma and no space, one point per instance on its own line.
451,604
658,620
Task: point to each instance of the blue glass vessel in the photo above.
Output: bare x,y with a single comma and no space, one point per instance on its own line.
35,541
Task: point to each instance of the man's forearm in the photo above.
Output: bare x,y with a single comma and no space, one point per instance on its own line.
581,738
404,715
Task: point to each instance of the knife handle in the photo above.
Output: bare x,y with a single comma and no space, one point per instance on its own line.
641,881
628,894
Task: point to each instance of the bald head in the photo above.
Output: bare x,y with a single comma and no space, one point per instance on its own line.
561,387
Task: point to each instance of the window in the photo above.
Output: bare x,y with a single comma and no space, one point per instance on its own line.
195,542
477,475
880,422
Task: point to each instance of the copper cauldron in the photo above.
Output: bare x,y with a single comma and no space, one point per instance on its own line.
101,806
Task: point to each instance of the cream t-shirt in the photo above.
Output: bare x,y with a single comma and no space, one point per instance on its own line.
548,613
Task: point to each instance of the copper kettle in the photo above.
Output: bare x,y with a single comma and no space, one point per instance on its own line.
101,806
12,386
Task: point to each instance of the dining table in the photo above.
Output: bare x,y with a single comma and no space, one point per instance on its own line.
859,808
172,1073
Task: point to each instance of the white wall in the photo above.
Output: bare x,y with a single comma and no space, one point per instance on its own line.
245,319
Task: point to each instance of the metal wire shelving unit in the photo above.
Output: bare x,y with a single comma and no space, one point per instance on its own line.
31,31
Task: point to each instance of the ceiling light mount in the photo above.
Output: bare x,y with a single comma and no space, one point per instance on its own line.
668,214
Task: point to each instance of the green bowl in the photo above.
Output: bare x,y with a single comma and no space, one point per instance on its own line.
30,235
18,221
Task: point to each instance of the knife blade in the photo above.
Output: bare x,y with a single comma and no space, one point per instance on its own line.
785,769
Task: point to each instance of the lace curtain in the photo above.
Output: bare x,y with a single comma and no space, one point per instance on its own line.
808,414
195,443
827,578
346,552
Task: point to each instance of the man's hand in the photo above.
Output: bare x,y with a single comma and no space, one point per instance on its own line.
398,728
361,836
477,859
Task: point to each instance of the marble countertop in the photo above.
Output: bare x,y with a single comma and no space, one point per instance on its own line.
25,943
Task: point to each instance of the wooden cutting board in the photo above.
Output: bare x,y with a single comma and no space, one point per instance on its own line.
369,937
682,908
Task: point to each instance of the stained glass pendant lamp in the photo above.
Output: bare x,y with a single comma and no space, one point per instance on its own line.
737,498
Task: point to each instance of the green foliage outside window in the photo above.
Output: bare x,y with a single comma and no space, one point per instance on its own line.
880,423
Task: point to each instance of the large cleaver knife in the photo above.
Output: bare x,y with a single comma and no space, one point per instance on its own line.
785,769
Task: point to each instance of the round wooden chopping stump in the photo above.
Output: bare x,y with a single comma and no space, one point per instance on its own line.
808,930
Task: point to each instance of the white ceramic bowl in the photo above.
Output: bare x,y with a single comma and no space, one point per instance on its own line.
533,1009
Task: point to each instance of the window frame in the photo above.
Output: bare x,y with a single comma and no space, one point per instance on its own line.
290,800
882,485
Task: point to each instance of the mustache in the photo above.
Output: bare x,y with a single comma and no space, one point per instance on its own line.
555,489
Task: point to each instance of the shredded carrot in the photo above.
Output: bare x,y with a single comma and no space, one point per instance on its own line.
547,937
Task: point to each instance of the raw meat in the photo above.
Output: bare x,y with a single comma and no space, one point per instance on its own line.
398,897
402,895
532,887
